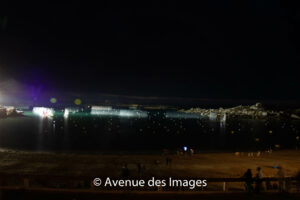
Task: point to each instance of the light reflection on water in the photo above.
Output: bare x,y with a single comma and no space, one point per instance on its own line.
120,129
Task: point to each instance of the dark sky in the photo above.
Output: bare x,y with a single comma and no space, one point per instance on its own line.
202,49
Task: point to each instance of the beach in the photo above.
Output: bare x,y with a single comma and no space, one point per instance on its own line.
204,165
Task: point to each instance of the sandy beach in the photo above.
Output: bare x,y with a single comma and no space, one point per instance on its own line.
205,165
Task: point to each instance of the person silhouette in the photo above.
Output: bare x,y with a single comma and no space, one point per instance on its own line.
259,180
248,180
281,175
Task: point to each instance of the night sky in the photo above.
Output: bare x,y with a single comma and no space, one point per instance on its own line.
197,49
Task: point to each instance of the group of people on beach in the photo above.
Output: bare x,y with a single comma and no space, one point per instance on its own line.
140,167
260,178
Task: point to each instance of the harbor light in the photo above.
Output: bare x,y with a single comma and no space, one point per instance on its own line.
43,112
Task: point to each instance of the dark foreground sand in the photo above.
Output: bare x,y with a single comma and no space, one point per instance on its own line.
206,165
143,195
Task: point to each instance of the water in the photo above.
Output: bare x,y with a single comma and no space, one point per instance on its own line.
140,131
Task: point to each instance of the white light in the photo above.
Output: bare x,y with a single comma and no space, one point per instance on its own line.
133,113
43,112
104,112
101,108
126,113
212,116
108,111
66,113
70,110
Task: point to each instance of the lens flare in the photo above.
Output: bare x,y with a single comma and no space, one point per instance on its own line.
77,102
53,100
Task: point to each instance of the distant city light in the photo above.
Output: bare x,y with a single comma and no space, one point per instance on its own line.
101,108
185,148
181,115
67,111
108,111
43,112
127,113
212,116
